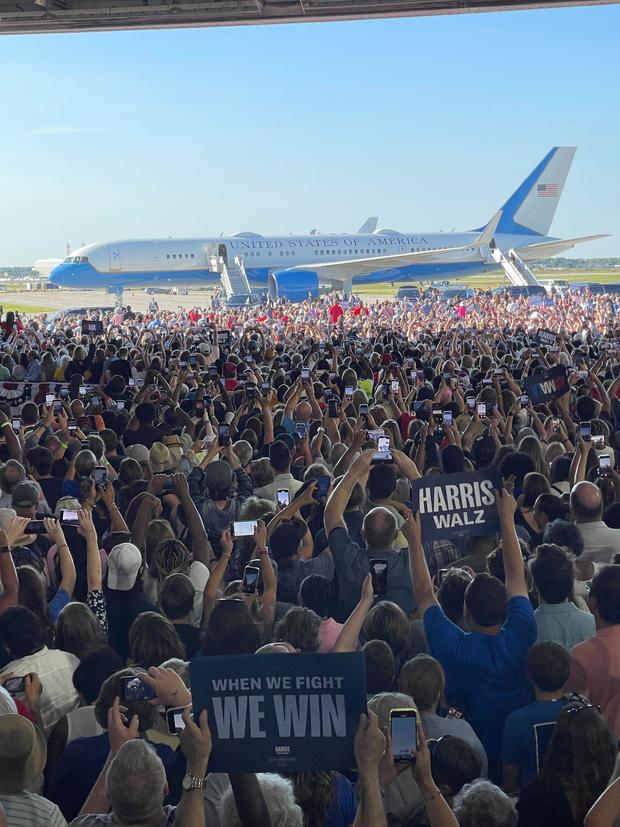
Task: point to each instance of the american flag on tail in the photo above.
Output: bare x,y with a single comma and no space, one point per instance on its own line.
547,191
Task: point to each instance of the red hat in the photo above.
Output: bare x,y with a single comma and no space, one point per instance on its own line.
386,359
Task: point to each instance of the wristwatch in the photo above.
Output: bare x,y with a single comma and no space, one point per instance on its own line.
192,782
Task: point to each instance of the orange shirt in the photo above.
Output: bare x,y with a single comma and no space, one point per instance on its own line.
595,673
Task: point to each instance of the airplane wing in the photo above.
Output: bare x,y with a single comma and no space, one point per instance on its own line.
533,252
342,269
370,225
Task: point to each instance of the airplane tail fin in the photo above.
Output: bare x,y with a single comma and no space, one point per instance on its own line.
531,207
369,226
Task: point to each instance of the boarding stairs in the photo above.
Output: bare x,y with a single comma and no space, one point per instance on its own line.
233,277
516,270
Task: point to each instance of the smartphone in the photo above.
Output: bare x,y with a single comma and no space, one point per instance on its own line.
332,377
223,434
49,398
441,576
284,498
265,388
131,382
379,571
305,374
250,579
72,426
482,409
385,389
447,417
348,393
525,400
243,528
498,372
437,414
249,359
69,517
134,689
332,409
213,371
35,527
363,409
382,454
598,440
322,487
300,430
16,424
15,685
403,729
193,361
64,393
375,435
604,465
100,475
470,401
585,429
395,385
250,390
199,407
57,406
95,401
82,390
174,719
120,404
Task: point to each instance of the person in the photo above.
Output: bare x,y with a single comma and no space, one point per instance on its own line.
177,604
595,663
280,459
485,667
423,678
481,802
557,617
600,541
352,562
132,783
578,764
23,753
317,592
528,730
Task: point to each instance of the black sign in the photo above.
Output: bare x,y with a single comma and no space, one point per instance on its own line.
546,337
457,504
224,338
547,384
280,713
92,326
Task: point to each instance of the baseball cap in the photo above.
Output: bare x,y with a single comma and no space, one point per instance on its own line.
124,563
25,494
218,475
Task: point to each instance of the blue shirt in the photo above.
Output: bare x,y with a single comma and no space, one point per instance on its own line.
520,739
353,565
343,810
485,674
564,623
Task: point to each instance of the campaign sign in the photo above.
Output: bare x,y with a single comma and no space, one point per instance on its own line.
547,384
546,337
280,713
457,504
224,338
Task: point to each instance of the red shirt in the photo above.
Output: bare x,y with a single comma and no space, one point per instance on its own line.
335,312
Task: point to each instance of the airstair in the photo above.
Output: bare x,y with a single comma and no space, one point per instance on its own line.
516,270
233,277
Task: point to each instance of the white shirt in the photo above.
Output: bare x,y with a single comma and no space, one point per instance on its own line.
29,810
55,669
286,480
600,541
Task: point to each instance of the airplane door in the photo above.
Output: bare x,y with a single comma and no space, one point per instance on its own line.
115,257
223,253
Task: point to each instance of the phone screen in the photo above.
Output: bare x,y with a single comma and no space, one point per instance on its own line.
404,733
69,517
134,689
100,475
604,465
322,487
447,417
35,527
482,409
378,571
250,579
305,374
244,528
332,409
49,398
14,685
120,404
283,498
300,430
585,429
174,717
395,385
364,409
471,403
348,392
265,388
525,400
224,434
16,424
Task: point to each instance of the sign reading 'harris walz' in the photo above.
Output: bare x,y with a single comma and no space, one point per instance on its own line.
457,504
547,384
280,713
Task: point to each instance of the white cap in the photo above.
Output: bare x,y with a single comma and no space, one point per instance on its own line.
124,564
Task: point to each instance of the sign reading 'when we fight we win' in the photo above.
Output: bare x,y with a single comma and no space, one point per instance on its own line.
457,504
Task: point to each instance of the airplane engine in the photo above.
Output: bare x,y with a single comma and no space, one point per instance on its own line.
293,285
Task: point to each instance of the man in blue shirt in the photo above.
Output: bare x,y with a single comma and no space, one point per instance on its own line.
485,667
353,561
528,730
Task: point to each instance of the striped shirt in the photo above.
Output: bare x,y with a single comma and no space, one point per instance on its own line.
29,810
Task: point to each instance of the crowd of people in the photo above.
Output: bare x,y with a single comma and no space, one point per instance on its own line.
183,484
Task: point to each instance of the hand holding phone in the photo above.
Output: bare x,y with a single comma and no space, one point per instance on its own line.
404,734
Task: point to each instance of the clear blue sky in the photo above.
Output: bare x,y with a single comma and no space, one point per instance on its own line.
427,122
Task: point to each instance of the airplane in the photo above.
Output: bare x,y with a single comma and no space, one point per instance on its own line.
295,267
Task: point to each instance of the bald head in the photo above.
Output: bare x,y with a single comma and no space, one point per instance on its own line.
586,502
380,529
303,412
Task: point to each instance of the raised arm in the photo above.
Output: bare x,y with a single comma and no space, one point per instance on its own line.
348,639
217,575
369,746
201,547
337,502
8,574
418,567
68,575
516,585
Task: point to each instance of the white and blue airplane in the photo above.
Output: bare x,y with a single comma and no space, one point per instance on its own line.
295,266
